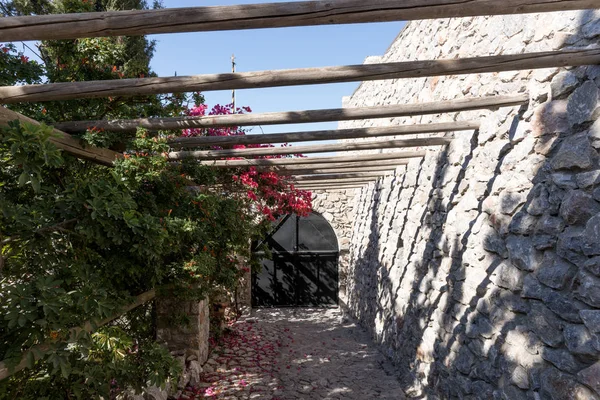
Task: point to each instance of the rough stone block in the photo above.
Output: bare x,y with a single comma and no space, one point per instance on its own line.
584,104
591,319
563,84
522,223
588,179
587,288
578,207
591,377
508,276
575,152
522,253
580,341
549,225
591,237
561,359
569,246
556,272
545,324
559,386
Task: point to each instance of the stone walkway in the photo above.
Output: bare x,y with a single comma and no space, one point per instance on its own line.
286,354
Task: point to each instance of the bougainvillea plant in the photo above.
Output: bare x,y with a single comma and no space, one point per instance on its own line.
272,194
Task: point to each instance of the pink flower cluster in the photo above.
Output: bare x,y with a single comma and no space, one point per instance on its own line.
272,193
275,194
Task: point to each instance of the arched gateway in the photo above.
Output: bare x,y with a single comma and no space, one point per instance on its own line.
303,271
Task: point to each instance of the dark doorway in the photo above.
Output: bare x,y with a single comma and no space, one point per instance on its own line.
303,271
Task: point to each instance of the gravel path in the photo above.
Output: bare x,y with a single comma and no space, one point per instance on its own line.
286,354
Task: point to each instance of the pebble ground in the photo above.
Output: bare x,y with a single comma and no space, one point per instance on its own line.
287,354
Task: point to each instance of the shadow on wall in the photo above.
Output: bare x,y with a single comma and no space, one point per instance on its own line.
495,292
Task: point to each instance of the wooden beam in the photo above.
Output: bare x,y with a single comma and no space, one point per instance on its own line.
302,76
312,170
322,148
258,16
66,142
387,164
331,187
297,117
360,181
321,177
403,156
336,134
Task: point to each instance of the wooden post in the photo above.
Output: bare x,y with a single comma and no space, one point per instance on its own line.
337,134
258,16
301,76
322,148
297,117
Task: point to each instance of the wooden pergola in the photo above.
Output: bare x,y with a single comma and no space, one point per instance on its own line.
310,172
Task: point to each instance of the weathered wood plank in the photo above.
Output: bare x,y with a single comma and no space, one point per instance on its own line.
326,169
322,148
336,134
297,117
66,142
350,186
361,181
321,177
338,166
347,160
268,15
302,76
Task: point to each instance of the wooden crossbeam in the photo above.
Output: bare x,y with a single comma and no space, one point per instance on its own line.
388,164
336,134
321,170
337,181
321,177
331,187
302,76
65,141
258,16
339,160
297,117
322,148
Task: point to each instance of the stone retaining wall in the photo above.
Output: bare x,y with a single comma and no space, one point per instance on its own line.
477,269
336,207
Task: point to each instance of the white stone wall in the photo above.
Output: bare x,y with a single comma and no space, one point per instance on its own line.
336,207
477,268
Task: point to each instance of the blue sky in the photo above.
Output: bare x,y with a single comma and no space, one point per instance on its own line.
264,49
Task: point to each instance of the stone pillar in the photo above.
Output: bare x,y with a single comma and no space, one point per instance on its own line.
244,292
183,327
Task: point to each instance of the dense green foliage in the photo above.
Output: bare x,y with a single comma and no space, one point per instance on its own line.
79,240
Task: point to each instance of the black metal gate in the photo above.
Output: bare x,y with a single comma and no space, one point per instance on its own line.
303,271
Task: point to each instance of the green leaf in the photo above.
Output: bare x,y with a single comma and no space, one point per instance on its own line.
30,359
23,178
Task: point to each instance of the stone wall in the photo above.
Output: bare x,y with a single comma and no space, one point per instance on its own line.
336,207
477,268
183,327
